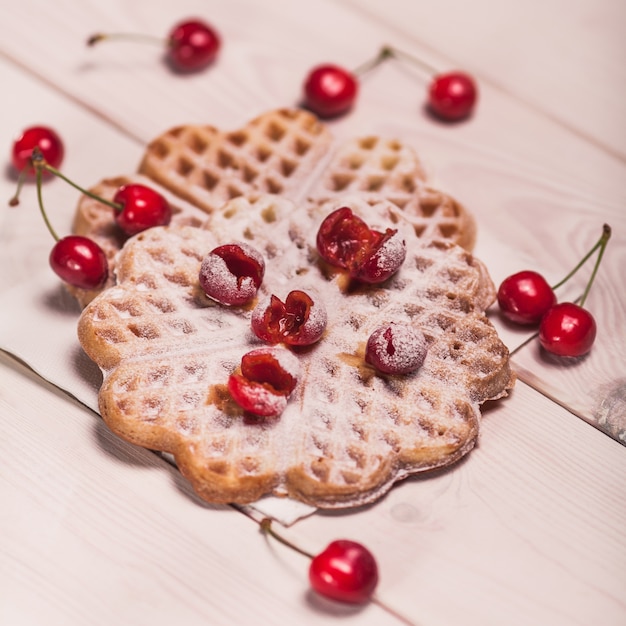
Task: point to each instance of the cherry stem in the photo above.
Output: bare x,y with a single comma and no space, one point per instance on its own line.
40,163
266,527
601,243
98,37
41,207
387,52
15,200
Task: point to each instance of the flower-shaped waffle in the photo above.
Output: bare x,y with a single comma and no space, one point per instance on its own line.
348,432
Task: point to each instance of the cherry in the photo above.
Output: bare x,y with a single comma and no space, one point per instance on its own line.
344,240
299,321
80,262
452,96
77,260
232,273
267,378
345,571
396,349
525,297
192,45
136,207
42,137
567,330
140,207
330,90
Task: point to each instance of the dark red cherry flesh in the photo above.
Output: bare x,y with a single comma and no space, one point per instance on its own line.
299,321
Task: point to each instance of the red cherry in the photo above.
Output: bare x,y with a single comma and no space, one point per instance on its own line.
268,376
140,208
43,137
344,240
80,262
232,274
193,45
396,349
345,571
330,90
567,330
452,96
525,297
299,321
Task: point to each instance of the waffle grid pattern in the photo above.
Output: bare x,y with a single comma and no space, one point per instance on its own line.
347,434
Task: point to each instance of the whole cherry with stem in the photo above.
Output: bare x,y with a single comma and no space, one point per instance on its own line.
46,140
345,571
77,260
135,207
525,297
330,90
43,137
568,329
191,45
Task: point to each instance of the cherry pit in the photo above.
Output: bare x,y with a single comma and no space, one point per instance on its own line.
566,329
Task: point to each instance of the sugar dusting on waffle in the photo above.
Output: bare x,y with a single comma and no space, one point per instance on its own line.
347,432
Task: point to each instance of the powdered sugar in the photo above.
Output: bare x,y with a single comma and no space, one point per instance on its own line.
222,278
346,432
396,348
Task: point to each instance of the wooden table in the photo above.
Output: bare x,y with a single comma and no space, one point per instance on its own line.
529,529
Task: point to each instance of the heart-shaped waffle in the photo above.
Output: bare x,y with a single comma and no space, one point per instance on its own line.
286,152
347,433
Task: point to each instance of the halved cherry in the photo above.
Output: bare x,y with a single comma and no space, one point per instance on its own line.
299,321
267,378
232,273
344,240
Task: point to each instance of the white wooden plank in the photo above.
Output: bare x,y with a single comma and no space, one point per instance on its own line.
562,58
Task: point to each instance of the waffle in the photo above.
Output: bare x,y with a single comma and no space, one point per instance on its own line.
385,170
283,152
348,433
